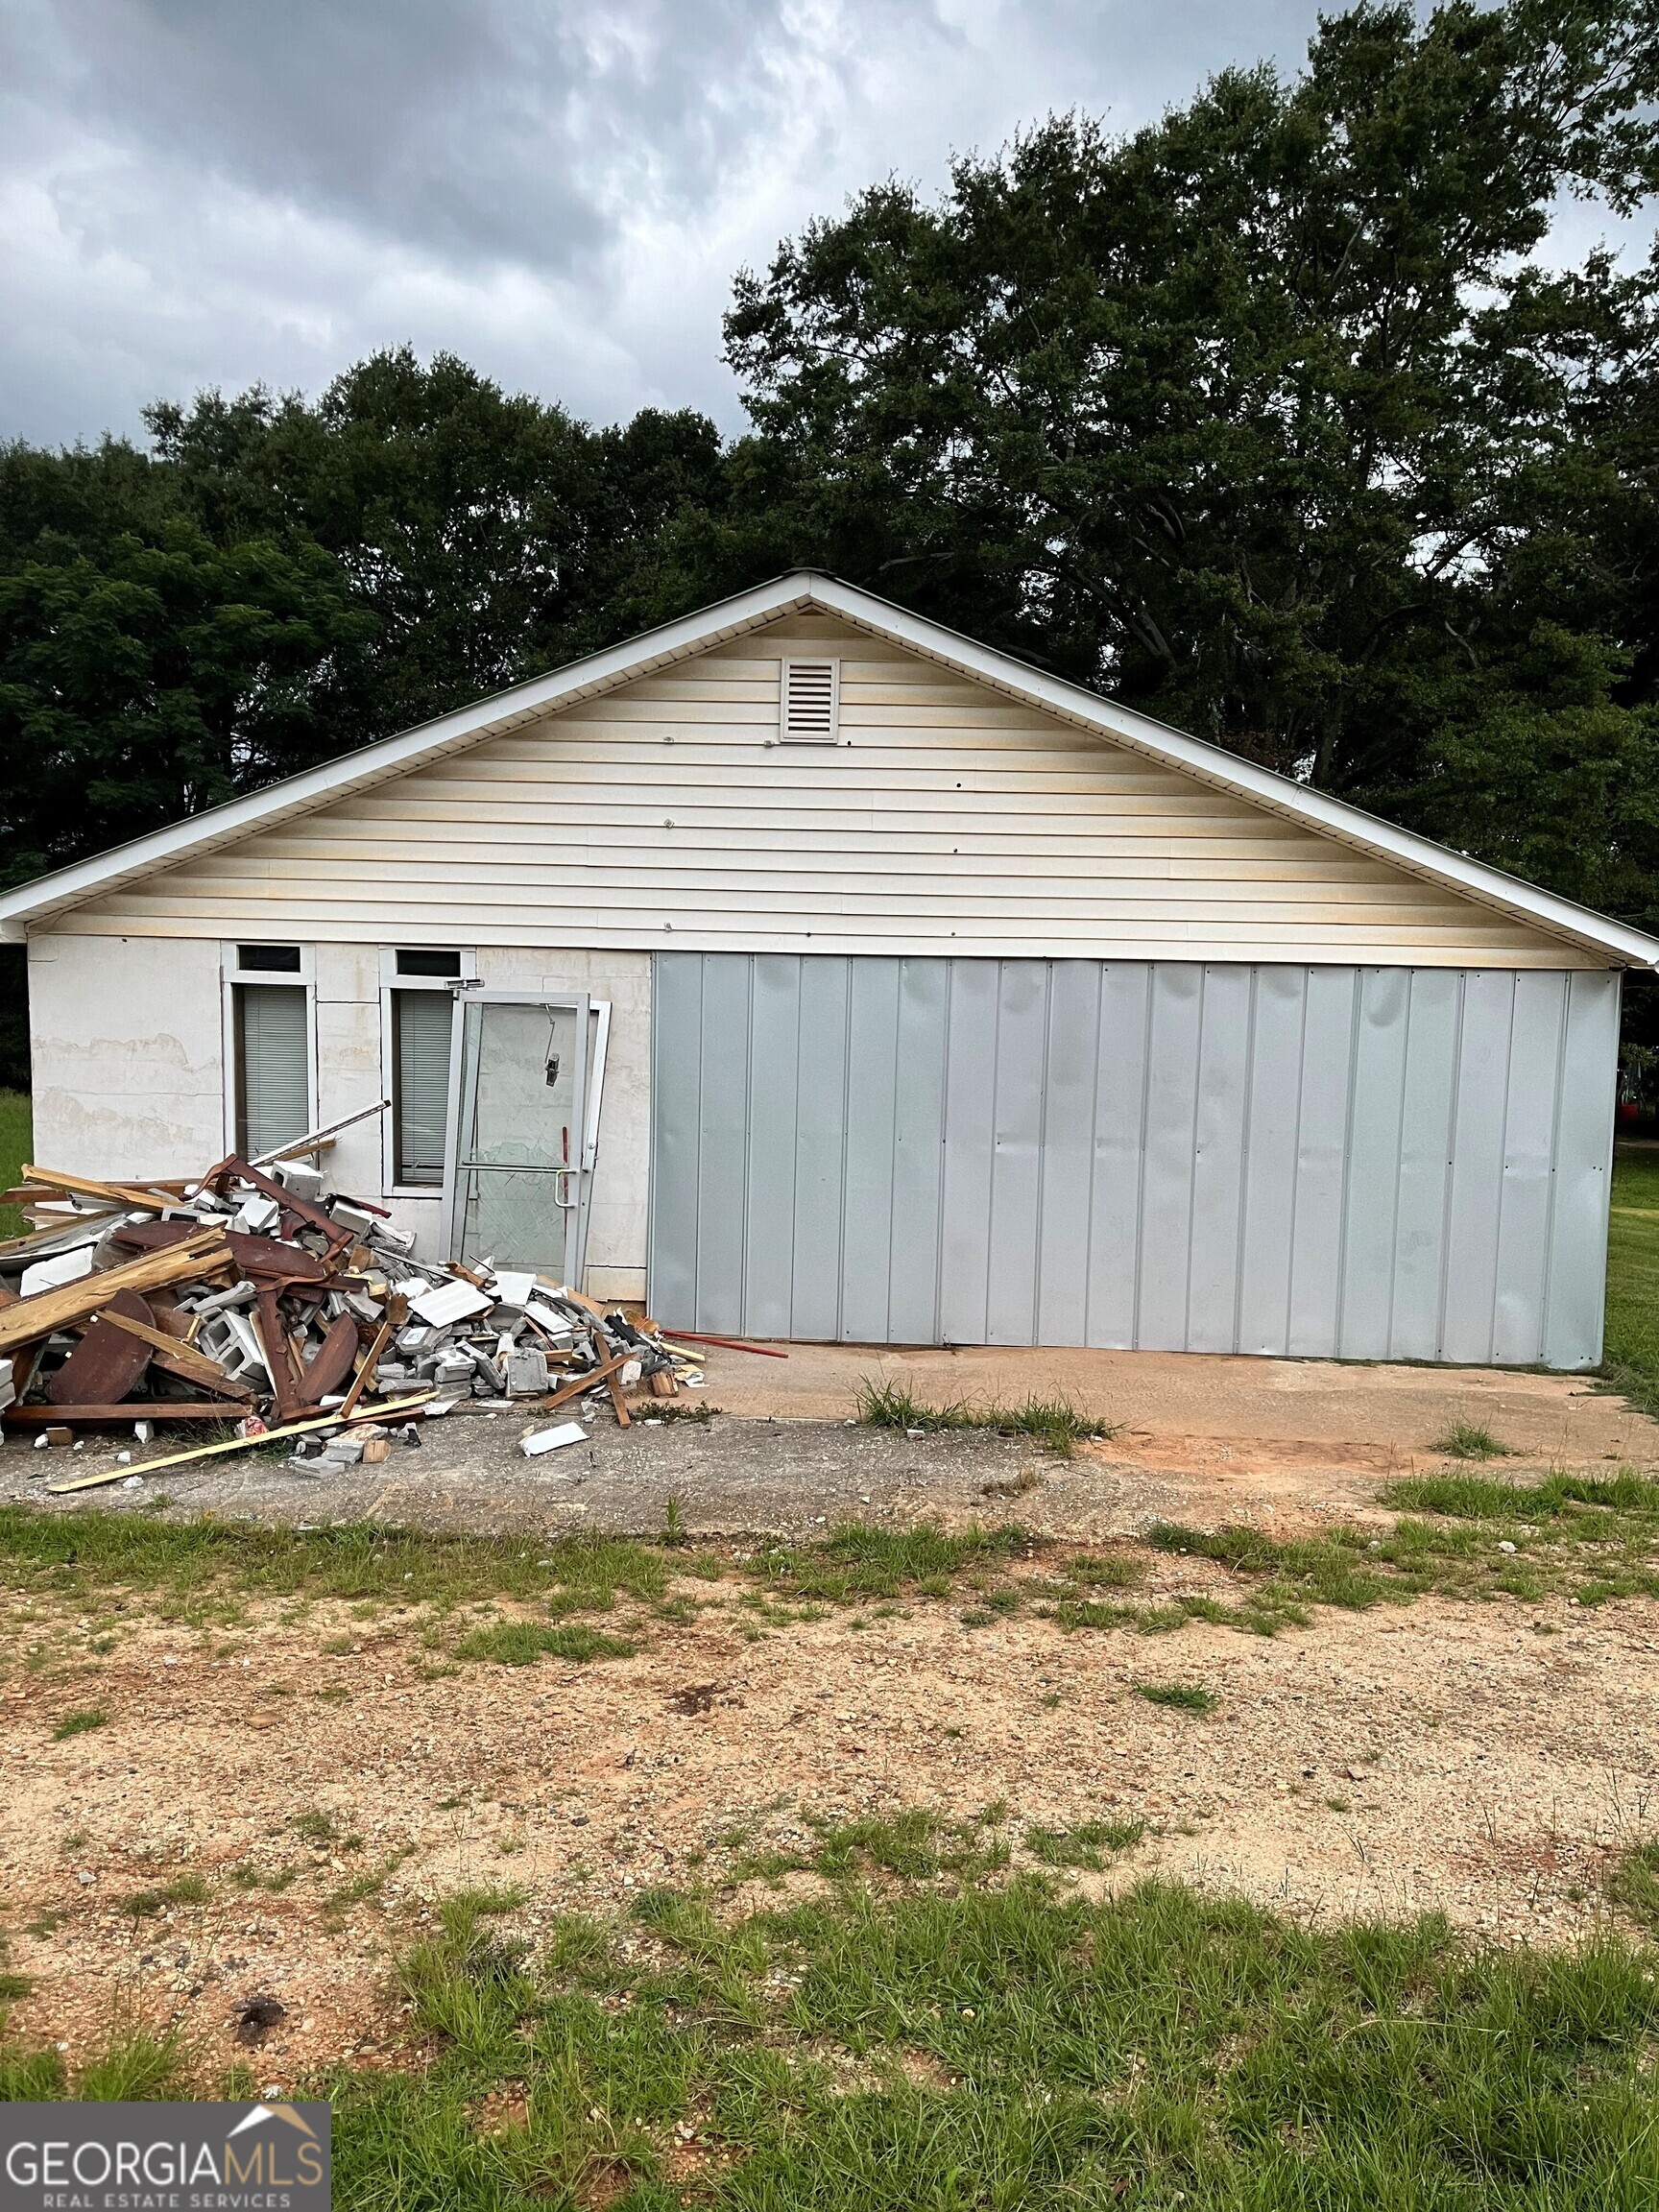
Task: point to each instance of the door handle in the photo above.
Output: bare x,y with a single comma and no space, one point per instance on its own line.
564,1177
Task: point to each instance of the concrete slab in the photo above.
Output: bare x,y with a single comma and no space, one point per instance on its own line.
1188,1412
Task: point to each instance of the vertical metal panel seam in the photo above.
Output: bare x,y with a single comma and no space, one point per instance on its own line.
1451,1150
995,1123
1296,1157
1094,1157
652,1178
1355,998
795,1143
846,1141
1503,1180
1400,1158
748,1136
697,1146
1141,1150
892,1146
1246,1112
1192,1156
943,1149
1048,967
1555,1163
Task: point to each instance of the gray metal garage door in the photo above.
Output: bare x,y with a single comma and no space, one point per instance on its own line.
1372,1163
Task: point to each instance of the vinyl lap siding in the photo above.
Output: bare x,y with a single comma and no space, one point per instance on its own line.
953,820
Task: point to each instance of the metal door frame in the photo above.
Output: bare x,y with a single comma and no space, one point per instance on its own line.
573,1206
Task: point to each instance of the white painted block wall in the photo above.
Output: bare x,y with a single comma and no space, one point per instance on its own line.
129,1072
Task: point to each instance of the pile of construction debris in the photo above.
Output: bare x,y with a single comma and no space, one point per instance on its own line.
254,1296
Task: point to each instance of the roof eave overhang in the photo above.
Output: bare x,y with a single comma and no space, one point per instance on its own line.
42,901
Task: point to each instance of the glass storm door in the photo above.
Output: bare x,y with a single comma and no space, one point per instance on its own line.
517,1119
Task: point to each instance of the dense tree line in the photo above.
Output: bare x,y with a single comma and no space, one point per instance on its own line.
1273,418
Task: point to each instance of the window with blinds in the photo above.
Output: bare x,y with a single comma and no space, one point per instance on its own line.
273,1067
421,1023
810,702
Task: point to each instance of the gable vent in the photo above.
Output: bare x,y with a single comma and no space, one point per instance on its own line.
811,696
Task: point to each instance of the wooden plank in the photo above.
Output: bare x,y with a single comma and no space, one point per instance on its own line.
134,1410
106,1475
83,1186
108,1360
366,1367
579,1384
616,1389
32,1318
168,1351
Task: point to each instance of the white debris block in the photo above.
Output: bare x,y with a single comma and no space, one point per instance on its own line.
513,1287
60,1268
555,1324
631,1370
526,1372
304,1180
257,1214
450,1301
541,1440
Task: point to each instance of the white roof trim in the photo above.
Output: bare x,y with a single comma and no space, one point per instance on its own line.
38,902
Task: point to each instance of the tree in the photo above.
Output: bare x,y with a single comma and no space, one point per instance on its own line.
490,537
1247,418
167,677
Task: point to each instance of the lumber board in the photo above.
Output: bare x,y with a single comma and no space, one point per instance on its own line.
237,1443
578,1384
68,1303
366,1367
88,1187
134,1409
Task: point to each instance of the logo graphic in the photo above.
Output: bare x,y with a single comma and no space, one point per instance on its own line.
164,2157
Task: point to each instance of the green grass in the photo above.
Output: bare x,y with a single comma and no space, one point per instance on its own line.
16,1142
522,1643
78,1724
183,1890
1464,1441
1469,1536
1086,1844
180,1564
855,1562
1054,1423
1181,1697
1633,1884
987,2048
1632,1348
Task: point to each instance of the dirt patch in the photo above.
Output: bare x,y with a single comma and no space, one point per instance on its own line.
278,1807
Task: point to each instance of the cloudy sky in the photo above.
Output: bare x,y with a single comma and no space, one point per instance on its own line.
216,192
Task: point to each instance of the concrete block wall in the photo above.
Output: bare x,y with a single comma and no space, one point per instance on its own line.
129,1077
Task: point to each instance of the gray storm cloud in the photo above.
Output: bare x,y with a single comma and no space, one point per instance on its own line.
201,192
